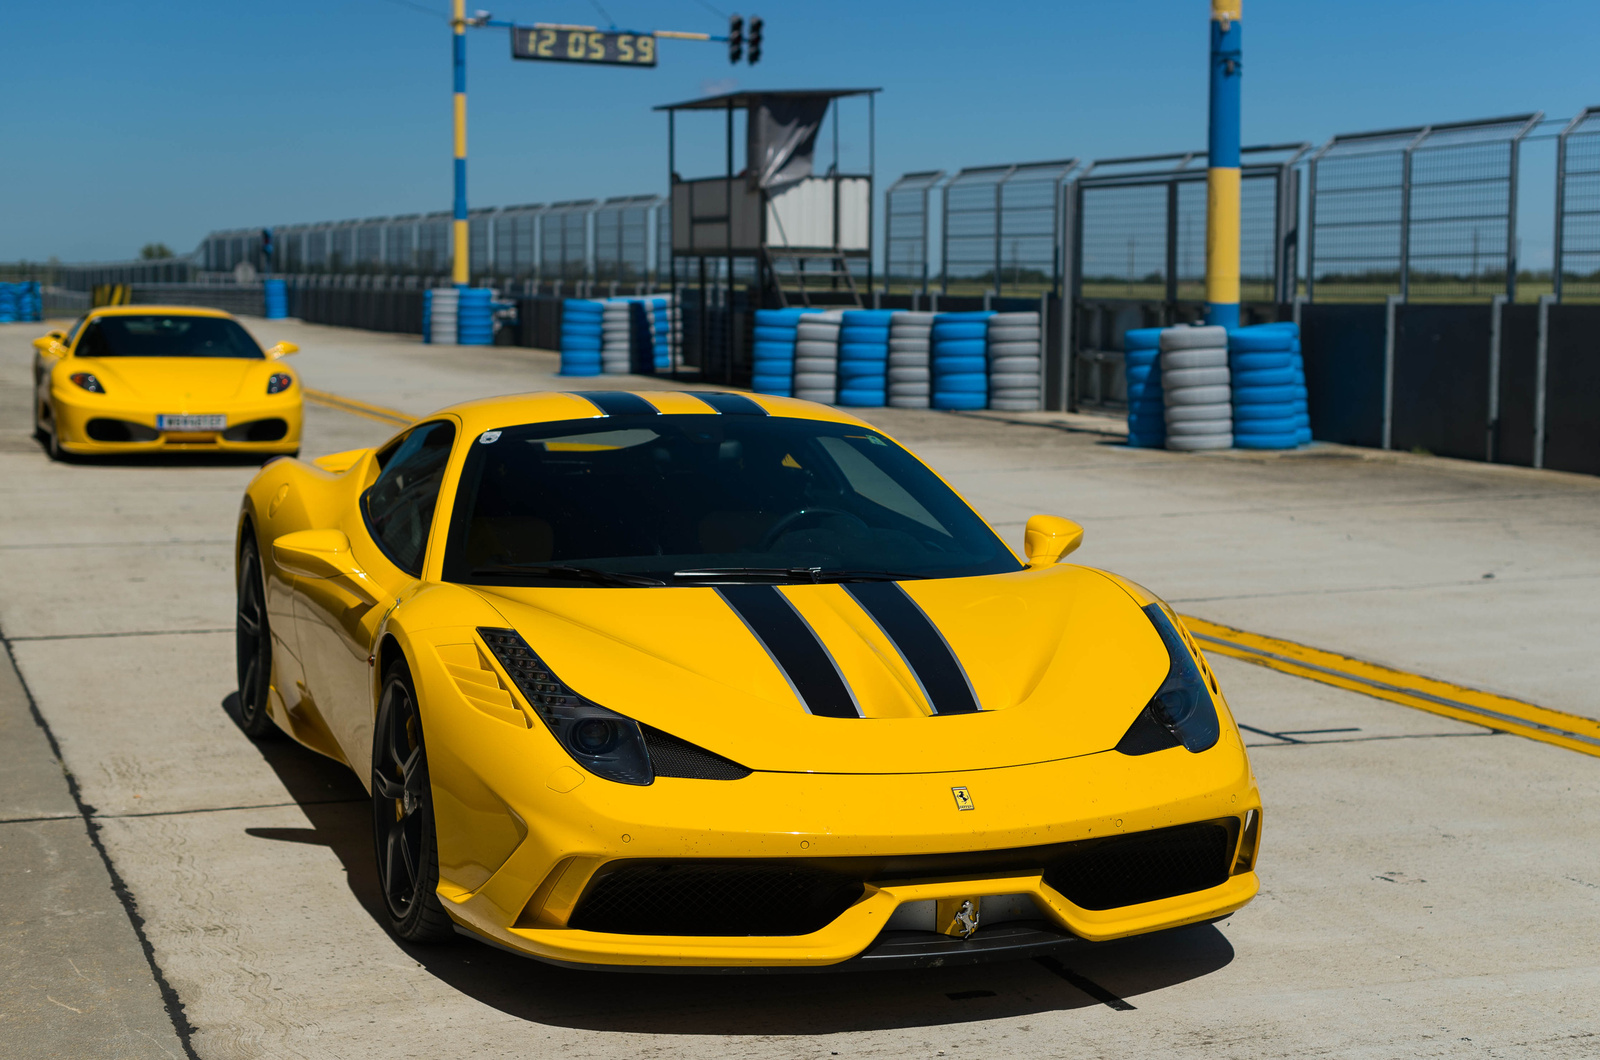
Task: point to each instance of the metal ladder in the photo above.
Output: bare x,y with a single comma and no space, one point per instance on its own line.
821,279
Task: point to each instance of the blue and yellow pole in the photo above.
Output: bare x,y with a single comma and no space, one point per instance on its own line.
462,265
1222,174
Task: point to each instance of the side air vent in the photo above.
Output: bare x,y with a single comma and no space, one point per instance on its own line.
673,757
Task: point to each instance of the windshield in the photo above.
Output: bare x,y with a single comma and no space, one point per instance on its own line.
158,335
687,499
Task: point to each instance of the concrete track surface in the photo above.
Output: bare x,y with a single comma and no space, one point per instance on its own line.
169,888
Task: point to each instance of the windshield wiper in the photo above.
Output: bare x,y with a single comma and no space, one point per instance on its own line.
799,574
544,570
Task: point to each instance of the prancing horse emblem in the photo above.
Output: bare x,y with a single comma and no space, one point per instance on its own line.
965,921
963,798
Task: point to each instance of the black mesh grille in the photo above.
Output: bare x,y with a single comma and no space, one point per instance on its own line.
673,757
270,430
1145,866
714,898
101,429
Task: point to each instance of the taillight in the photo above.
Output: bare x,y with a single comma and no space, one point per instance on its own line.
278,382
88,382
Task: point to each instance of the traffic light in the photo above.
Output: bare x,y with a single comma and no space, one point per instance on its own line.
735,39
755,39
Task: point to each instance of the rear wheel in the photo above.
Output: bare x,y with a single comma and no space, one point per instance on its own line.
252,644
402,815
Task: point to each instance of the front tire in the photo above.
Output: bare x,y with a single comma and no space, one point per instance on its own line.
402,815
252,644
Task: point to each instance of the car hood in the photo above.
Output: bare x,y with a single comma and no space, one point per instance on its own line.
1060,660
190,382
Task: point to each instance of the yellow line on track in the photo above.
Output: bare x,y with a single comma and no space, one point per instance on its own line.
394,417
1572,731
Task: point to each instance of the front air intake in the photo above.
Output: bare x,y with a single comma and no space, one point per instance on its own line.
1145,866
713,898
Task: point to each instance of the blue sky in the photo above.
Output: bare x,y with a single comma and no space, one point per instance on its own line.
129,123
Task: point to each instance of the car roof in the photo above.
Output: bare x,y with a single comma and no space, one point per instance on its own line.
552,406
163,310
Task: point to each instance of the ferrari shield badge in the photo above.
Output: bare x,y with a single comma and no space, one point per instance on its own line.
963,798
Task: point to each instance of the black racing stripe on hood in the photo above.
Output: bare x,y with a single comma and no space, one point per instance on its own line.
618,403
920,643
729,404
794,647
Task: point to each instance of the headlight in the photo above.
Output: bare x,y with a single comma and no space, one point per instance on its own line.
278,382
1181,711
88,382
600,740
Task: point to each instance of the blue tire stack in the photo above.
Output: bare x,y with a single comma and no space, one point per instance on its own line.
8,303
960,361
580,336
1269,391
773,355
475,317
275,299
1147,423
864,358
661,332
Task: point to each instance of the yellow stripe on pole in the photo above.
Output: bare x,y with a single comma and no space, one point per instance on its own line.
1222,236
461,125
1572,731
463,269
1226,10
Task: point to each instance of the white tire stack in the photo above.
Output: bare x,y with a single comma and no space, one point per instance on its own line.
1014,344
910,345
1195,386
616,336
442,322
816,356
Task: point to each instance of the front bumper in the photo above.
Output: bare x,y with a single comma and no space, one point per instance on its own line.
523,834
72,413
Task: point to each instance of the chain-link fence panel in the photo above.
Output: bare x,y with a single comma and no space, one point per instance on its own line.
1576,270
905,233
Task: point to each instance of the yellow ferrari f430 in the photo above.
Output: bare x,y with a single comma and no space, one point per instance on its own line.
142,379
706,680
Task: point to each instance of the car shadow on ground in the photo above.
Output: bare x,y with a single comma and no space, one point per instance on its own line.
187,458
1112,974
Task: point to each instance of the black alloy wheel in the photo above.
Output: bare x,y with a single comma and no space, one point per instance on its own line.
252,644
402,815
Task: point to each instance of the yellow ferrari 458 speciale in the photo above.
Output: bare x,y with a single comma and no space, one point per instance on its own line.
723,681
142,379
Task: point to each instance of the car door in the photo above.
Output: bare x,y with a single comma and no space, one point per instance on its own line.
388,526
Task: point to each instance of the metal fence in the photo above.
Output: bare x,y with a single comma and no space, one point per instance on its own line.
623,240
905,231
1427,212
1001,228
1575,271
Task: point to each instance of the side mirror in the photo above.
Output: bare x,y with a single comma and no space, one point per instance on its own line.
59,336
323,554
1049,537
279,350
50,345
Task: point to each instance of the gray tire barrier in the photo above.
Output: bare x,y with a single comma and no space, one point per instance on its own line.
1195,395
1194,443
1179,378
1193,338
1179,428
1202,358
910,375
812,363
1223,410
1194,375
812,381
1013,352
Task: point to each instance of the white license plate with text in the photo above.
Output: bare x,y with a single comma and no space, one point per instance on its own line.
191,423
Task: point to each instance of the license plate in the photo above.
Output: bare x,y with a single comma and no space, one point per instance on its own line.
191,423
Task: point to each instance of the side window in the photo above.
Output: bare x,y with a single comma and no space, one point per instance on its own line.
93,342
399,505
72,332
